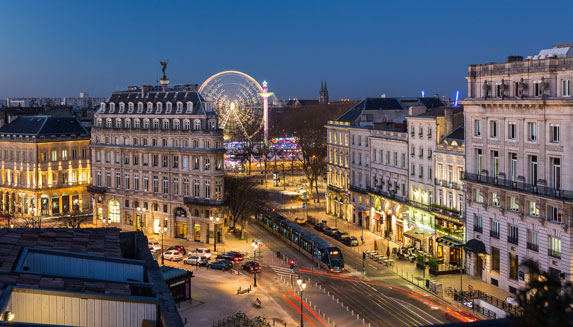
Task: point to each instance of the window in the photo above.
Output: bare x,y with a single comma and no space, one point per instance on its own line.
189,107
532,240
176,186
537,89
196,124
207,190
566,87
207,165
108,180
421,171
478,224
54,155
117,180
533,209
403,160
195,162
156,123
165,124
532,129
179,107
495,228
554,214
136,182
477,128
196,187
513,166
556,173
185,187
513,265
495,259
513,204
554,247
176,124
513,234
176,162
168,107
554,136
158,107
98,178
413,172
127,123
127,184
512,131
479,157
218,190
212,124
493,129
113,211
479,196
145,183
130,108
533,170
495,163
165,161
155,184
499,90
140,107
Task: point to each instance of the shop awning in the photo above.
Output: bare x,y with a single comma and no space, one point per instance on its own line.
476,246
449,242
376,217
416,234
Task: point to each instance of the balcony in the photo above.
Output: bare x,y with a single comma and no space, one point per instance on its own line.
518,186
352,188
494,233
96,189
533,247
445,183
446,211
513,239
203,202
554,253
478,229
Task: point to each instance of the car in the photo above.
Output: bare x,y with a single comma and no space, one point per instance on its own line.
300,220
340,235
204,252
173,255
350,241
196,260
179,248
154,246
252,266
330,231
220,264
231,256
320,226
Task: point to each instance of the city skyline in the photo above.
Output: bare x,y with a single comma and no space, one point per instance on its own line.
360,49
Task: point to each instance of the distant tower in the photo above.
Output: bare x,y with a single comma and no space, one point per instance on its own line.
323,94
265,96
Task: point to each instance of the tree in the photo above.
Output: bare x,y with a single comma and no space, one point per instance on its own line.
546,301
244,199
73,220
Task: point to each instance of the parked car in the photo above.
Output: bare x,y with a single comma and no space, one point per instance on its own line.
204,252
154,246
252,266
350,241
196,260
340,235
330,231
221,265
300,220
179,248
320,227
231,255
173,255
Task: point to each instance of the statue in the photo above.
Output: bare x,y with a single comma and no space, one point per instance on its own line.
485,89
164,65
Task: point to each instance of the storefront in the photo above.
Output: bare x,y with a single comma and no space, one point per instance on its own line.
449,250
419,238
197,232
180,229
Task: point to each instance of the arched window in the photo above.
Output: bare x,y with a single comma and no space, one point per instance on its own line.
149,107
165,123
186,124
127,123
113,211
168,107
179,107
140,107
156,123
121,107
176,124
111,108
99,122
146,123
130,108
118,123
196,124
108,123
158,107
102,107
189,107
136,123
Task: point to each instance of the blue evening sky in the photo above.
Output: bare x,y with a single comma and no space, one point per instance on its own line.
362,48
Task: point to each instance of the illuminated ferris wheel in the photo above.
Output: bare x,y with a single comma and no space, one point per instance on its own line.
239,101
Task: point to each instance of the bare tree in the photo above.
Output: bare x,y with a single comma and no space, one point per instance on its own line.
244,199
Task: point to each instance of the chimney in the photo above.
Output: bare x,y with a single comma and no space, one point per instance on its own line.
448,120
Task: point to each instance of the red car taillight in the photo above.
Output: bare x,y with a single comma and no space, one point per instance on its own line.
236,259
260,268
251,268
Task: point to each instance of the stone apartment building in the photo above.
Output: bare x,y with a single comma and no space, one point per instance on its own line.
158,163
45,168
518,118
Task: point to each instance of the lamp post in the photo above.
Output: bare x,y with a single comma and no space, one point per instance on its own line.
255,244
302,286
22,195
215,221
140,213
163,231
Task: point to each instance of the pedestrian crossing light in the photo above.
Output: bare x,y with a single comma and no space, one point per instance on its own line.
291,264
363,256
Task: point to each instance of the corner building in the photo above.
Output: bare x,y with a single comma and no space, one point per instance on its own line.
518,142
158,162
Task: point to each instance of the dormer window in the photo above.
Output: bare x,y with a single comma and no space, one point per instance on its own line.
111,108
121,107
149,108
130,108
168,108
179,107
102,107
140,107
196,124
189,107
158,107
208,107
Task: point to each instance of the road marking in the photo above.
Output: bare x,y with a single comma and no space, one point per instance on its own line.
297,309
309,309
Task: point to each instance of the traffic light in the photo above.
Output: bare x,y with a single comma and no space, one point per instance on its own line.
363,256
291,263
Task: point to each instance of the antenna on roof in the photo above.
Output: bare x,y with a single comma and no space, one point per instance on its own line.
423,93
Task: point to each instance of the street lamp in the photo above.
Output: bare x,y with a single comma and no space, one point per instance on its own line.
140,213
215,221
302,286
163,231
255,245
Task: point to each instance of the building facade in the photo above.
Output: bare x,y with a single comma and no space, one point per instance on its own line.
158,163
518,181
45,168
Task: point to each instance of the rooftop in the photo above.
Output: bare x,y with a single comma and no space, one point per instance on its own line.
44,126
439,111
388,104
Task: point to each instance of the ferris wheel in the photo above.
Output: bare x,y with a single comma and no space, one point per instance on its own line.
238,101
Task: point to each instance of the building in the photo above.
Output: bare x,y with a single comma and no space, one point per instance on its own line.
82,277
518,120
323,94
45,167
158,162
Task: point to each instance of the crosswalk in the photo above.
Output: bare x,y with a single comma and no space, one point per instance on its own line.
284,272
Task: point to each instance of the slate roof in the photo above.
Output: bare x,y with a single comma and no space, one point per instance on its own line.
388,104
44,126
439,111
457,135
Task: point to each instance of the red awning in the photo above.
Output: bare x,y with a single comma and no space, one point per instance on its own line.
376,216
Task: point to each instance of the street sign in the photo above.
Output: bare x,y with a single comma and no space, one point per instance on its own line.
292,271
260,240
304,205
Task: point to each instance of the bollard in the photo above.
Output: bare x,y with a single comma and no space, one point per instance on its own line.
352,312
337,301
346,308
362,320
357,316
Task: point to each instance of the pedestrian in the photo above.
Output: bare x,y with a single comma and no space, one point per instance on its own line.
362,239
